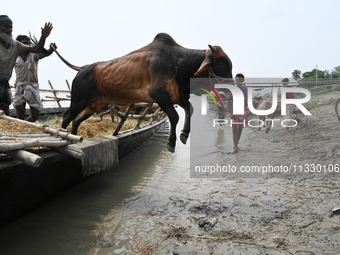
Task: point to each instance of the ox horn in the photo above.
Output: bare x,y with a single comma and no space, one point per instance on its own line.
212,48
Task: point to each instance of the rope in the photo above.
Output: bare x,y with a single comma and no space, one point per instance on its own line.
61,130
219,78
115,144
56,134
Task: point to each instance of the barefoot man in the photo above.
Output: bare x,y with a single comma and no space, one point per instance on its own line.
10,49
239,121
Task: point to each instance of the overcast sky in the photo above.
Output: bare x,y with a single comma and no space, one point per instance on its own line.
263,38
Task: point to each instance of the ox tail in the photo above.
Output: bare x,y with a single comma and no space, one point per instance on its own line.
77,68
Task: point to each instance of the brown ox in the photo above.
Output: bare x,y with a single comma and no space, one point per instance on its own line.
159,72
267,119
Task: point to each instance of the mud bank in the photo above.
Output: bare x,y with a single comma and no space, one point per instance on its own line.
264,214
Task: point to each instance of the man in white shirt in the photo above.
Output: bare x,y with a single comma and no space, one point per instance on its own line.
26,84
10,49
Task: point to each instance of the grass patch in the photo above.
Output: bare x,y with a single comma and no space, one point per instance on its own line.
324,90
310,106
226,235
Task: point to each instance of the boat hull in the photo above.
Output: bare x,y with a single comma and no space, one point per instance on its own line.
24,188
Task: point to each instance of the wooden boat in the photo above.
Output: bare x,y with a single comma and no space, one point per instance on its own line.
23,188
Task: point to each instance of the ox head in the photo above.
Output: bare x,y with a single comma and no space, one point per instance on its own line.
218,61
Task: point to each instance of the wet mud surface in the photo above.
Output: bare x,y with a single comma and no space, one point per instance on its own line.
151,205
171,213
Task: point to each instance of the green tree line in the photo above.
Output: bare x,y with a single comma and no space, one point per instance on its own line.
311,75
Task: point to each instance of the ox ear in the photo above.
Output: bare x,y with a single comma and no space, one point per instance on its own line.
204,65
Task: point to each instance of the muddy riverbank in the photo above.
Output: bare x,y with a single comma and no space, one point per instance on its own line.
274,214
151,205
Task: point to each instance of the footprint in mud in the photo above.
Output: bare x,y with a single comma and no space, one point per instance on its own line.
199,209
210,209
206,222
179,202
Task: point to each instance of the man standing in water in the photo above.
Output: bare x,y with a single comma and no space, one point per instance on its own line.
10,49
239,121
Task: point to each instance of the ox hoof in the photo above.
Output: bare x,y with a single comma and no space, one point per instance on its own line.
183,138
171,148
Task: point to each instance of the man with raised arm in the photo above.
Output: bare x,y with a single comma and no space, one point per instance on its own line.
10,49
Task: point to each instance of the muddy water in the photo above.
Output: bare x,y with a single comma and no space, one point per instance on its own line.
108,212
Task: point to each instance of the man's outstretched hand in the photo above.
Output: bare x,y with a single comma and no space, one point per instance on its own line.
45,32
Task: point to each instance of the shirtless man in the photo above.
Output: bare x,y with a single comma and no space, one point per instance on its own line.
26,83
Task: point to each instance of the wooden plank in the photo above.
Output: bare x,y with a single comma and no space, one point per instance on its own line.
59,98
28,158
68,85
123,118
54,93
48,129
